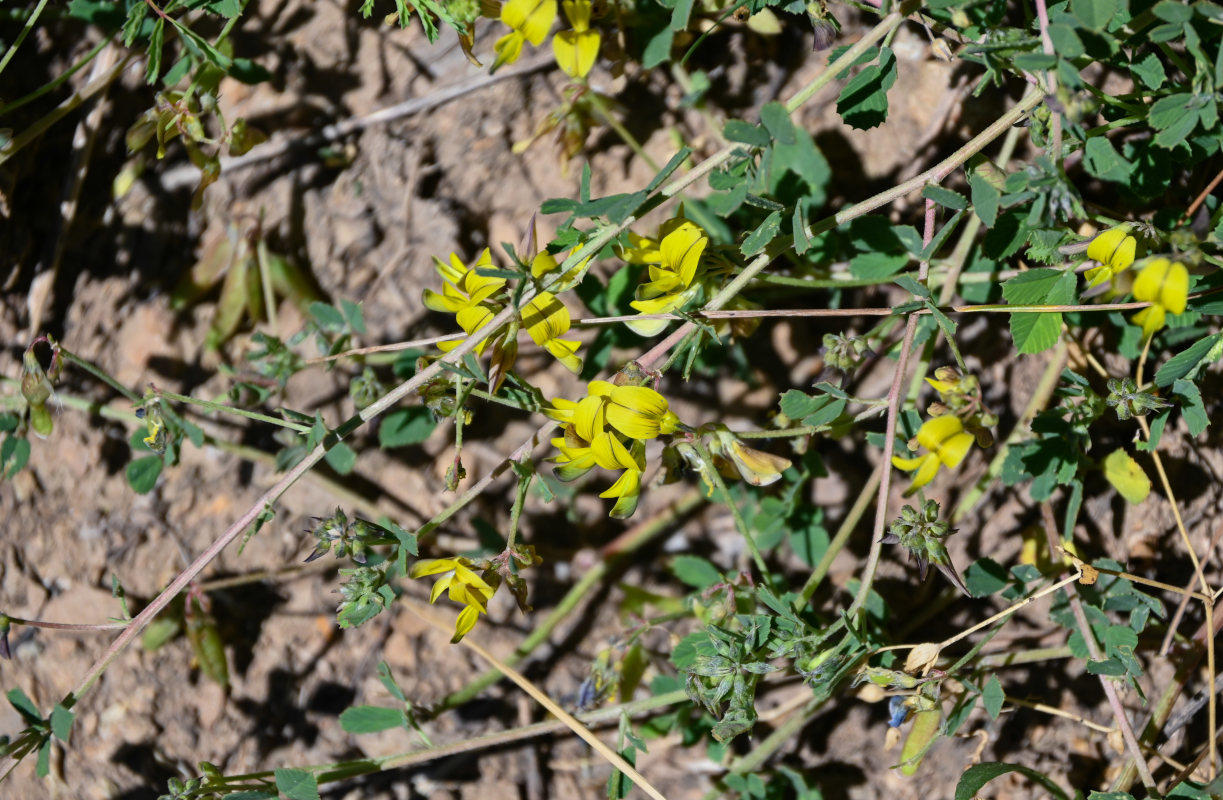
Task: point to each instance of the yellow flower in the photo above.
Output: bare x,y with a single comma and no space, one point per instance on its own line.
947,442
627,491
529,21
546,320
640,413
590,417
577,49
463,287
674,263
464,586
544,262
470,319
734,459
1165,285
1114,250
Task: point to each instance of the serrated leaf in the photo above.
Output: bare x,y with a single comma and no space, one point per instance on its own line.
992,697
1184,363
1102,160
944,197
370,719
405,426
297,784
1192,407
1127,476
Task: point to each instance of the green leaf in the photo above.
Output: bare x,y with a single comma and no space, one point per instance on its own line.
777,122
976,776
14,455
984,577
764,234
876,265
910,285
985,197
809,538
297,784
1035,332
680,14
944,197
142,473
1185,362
61,722
1111,667
669,168
1173,11
863,103
328,317
1066,42
405,426
1126,476
225,8
370,719
1094,14
356,319
658,49
992,697
24,705
695,571
1035,62
156,43
341,458
1149,71
1102,160
1192,407
737,130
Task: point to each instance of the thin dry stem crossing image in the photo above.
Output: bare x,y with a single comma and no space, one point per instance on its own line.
610,398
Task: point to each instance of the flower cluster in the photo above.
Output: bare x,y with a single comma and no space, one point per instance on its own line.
463,584
1165,285
475,295
957,420
676,269
608,428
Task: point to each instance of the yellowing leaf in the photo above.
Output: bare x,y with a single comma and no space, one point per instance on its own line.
1127,476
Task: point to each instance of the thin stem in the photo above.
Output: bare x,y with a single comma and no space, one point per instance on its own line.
223,408
100,374
69,627
596,102
25,31
710,473
848,525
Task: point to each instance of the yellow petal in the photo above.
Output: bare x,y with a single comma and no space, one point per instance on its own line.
952,451
1113,248
440,587
533,18
508,48
908,464
682,249
545,318
543,263
1150,280
1151,319
936,430
756,466
925,473
600,388
1174,293
576,51
565,351
466,621
432,566
641,250
578,13
589,417
610,453
628,489
636,411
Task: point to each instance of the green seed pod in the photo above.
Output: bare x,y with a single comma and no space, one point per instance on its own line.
922,735
206,644
40,421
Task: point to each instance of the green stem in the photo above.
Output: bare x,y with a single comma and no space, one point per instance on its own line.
25,31
60,79
100,374
613,554
212,405
848,525
596,102
711,474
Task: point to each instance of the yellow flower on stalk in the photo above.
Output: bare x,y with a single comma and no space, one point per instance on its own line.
947,442
576,49
529,21
464,586
1114,249
546,320
463,285
674,261
640,413
1165,285
627,491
